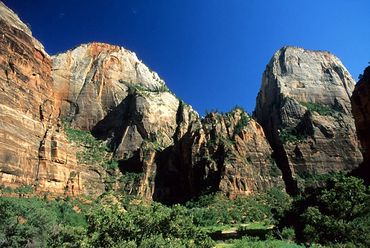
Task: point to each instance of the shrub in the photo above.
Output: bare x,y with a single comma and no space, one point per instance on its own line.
287,135
116,223
339,212
243,122
319,108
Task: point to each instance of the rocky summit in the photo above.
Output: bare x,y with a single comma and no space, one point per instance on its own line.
93,78
305,109
96,118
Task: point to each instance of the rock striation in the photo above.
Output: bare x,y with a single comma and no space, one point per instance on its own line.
304,107
93,78
361,112
33,149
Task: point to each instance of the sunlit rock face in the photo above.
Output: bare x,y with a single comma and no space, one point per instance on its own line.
304,107
361,112
165,150
93,78
33,147
107,90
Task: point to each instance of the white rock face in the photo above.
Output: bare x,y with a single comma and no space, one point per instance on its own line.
304,107
94,78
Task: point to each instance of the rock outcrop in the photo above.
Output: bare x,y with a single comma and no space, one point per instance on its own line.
92,79
33,148
164,149
304,107
361,112
237,150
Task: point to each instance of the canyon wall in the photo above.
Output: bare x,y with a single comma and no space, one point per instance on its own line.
304,107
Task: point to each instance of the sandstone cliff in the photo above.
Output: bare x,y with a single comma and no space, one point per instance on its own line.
304,107
162,146
361,112
93,78
33,147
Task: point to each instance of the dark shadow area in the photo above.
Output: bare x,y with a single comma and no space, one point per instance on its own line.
114,124
133,164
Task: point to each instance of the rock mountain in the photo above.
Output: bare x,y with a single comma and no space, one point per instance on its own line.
304,106
162,148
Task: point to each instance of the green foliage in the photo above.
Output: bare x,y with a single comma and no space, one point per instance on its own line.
288,135
141,223
92,151
129,180
117,221
243,122
319,108
336,213
32,222
24,189
138,87
255,243
215,210
288,233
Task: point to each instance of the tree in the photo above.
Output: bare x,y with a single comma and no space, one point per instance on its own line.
336,213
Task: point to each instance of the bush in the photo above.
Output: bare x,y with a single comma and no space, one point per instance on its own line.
31,221
319,108
287,135
137,221
216,209
339,212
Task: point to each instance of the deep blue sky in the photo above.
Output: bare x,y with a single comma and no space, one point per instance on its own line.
211,53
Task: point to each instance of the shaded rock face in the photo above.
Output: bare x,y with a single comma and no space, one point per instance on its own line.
236,156
304,107
227,153
361,112
92,79
33,148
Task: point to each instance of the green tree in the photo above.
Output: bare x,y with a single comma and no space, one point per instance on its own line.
336,213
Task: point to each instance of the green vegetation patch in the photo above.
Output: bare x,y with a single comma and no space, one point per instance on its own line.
215,210
138,87
243,122
33,222
319,108
336,214
92,151
290,135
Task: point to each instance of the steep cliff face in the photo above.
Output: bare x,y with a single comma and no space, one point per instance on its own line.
304,107
361,112
164,149
93,78
237,157
33,148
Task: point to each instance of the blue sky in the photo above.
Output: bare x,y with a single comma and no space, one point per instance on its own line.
211,53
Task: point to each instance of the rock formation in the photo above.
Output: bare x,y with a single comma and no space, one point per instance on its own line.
361,112
304,107
164,149
33,147
92,79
